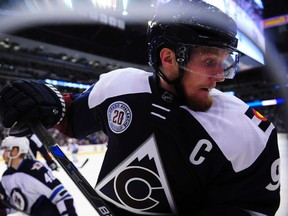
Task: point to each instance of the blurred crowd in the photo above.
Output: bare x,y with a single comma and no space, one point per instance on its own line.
98,137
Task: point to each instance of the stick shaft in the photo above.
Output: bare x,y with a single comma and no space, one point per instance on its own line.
83,164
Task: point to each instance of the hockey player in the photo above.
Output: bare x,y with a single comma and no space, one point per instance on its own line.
37,146
177,145
29,186
73,147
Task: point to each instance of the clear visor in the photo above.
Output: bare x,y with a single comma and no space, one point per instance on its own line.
212,62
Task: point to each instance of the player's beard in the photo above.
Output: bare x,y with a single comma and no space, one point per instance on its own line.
199,104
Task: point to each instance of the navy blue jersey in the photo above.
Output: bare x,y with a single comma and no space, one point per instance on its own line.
33,189
165,159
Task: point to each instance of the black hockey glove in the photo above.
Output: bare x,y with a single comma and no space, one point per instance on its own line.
52,164
25,100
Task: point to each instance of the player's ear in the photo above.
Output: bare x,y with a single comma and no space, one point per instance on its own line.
167,57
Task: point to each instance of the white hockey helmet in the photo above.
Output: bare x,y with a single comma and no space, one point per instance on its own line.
21,142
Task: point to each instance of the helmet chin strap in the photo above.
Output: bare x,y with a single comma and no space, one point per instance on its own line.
179,87
181,55
9,162
11,158
176,83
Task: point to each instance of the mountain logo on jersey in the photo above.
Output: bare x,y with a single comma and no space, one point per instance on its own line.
119,116
139,184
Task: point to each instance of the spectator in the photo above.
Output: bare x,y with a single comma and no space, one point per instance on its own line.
73,147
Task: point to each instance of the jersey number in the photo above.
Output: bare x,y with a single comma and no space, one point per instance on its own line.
118,117
196,158
275,176
49,177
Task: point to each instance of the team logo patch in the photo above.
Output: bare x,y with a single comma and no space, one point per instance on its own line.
259,120
19,199
119,116
139,183
258,115
37,166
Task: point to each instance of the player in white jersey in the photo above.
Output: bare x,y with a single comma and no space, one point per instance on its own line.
73,147
29,186
177,145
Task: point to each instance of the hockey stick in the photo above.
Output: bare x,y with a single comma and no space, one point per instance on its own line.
84,163
70,168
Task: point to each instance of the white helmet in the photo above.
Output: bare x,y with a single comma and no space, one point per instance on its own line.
21,142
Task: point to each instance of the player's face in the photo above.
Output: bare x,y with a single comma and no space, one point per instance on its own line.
5,154
203,71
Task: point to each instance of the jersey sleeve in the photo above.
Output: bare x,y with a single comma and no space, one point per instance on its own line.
79,120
